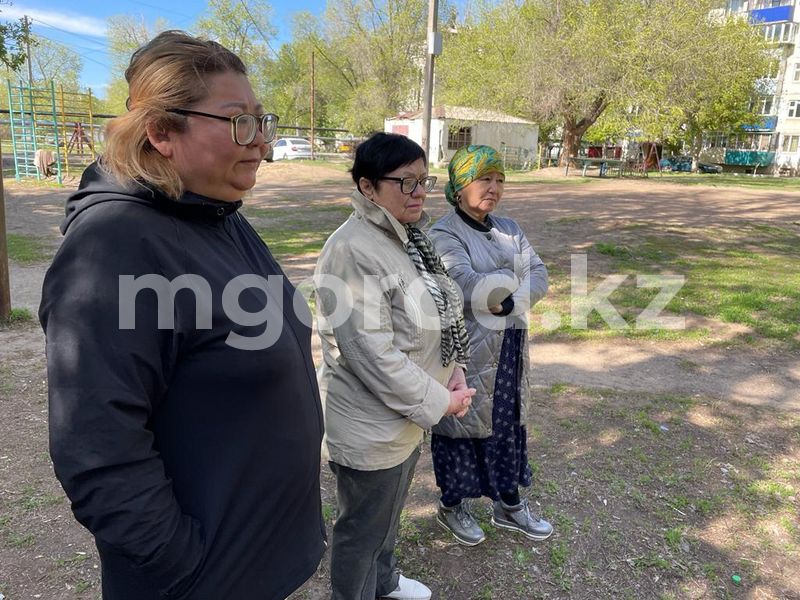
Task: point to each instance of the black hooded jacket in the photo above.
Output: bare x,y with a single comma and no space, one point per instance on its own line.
185,425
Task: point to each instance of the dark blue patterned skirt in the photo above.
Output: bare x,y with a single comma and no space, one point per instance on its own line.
471,468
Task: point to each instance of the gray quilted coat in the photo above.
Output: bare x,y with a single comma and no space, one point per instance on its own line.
489,266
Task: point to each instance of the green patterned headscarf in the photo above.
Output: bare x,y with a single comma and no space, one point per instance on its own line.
468,164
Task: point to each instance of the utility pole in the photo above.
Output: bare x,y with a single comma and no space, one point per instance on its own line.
5,280
5,284
434,49
28,48
312,104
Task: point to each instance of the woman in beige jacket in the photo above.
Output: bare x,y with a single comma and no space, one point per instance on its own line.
394,344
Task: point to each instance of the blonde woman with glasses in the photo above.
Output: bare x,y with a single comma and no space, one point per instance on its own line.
187,439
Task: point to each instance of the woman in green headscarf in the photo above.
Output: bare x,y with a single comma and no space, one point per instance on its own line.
501,277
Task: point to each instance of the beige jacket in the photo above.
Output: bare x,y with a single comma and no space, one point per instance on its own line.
382,380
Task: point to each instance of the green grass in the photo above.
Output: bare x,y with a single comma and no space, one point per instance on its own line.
32,499
287,217
747,274
559,556
9,180
522,556
289,233
611,249
729,180
18,315
651,561
27,249
328,513
290,243
673,538
73,561
21,540
342,165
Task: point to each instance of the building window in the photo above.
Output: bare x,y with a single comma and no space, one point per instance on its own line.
762,142
794,108
458,137
796,72
779,32
736,5
764,105
717,140
790,143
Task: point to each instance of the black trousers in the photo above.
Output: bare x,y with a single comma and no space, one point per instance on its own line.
363,564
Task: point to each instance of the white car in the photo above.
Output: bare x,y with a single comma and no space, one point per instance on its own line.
290,148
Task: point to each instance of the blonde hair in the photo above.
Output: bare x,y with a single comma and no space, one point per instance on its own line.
170,71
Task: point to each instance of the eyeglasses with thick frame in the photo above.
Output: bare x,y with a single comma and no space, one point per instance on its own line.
249,124
409,184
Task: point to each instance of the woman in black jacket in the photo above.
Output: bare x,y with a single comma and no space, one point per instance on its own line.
185,420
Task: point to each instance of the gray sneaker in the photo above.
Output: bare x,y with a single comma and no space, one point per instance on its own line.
458,521
520,518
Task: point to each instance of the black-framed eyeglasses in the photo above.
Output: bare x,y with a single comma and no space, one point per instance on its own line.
243,127
409,184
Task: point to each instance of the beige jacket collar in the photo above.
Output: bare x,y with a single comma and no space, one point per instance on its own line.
380,216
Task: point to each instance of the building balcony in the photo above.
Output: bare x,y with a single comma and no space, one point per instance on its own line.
749,158
779,34
773,14
768,123
766,86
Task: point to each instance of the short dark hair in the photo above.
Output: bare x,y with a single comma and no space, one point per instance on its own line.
382,153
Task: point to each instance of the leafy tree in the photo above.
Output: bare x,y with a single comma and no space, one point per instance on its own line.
572,60
13,38
243,26
371,57
712,65
51,61
125,35
289,92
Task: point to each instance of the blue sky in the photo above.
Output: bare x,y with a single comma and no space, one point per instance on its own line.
81,25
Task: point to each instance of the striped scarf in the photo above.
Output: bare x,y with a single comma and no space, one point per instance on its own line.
455,342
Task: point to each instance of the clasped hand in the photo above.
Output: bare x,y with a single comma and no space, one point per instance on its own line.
460,394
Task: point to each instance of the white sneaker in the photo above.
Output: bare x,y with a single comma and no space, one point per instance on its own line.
410,589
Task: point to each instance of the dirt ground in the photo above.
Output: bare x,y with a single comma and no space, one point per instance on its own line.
45,554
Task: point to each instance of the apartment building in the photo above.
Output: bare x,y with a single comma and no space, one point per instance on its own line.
774,144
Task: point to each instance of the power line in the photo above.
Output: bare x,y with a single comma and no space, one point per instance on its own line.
63,45
77,35
161,9
258,29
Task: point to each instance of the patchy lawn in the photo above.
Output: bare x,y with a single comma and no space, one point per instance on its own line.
747,274
653,495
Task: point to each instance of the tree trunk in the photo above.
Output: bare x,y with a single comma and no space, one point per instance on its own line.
574,130
573,133
697,148
571,143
